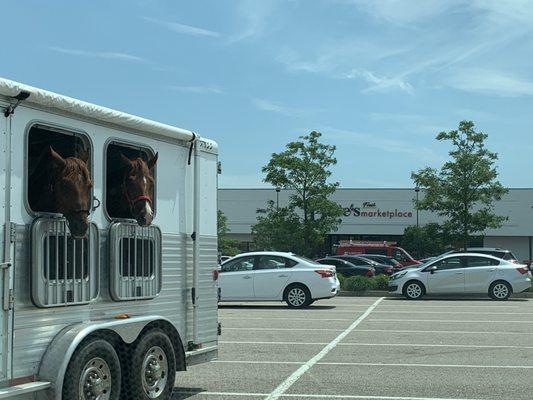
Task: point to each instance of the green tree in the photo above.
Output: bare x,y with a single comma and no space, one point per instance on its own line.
465,188
304,167
426,240
227,247
277,229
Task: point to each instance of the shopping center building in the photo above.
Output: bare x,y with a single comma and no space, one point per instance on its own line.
382,214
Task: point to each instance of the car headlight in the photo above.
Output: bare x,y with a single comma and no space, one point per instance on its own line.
398,275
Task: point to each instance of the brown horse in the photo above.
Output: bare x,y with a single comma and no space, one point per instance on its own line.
137,188
68,182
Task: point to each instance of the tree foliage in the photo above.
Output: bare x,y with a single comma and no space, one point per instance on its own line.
277,229
304,167
465,188
227,247
427,240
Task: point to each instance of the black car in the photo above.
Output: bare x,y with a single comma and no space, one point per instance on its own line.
384,260
347,268
362,261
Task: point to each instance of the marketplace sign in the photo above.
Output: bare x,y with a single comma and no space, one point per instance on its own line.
370,210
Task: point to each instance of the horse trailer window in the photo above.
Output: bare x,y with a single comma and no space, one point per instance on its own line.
64,269
48,148
130,182
135,261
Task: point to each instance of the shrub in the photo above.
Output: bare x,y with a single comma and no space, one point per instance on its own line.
342,281
381,282
359,283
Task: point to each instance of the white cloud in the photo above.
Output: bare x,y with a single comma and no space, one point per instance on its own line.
197,89
255,15
404,12
98,54
380,84
267,105
490,82
181,28
379,142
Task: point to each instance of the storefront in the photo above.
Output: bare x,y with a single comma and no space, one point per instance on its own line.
382,214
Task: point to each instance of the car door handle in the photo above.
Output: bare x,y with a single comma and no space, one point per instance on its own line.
283,276
459,273
247,277
491,270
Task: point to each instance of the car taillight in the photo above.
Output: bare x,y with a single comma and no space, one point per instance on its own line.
522,270
325,273
216,273
370,273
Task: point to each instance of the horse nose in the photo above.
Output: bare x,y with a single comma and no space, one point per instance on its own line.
144,219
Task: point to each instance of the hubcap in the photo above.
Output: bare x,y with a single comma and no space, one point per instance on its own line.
414,290
296,296
500,291
154,372
95,380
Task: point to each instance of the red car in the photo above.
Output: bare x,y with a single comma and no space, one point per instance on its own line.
383,248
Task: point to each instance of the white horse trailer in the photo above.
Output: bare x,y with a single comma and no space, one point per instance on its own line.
127,305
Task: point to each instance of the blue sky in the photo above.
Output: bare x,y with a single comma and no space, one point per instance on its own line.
378,78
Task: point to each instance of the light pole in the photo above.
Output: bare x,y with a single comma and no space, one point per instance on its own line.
277,198
417,189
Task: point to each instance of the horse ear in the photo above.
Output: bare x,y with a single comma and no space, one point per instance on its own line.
84,156
125,161
151,163
56,158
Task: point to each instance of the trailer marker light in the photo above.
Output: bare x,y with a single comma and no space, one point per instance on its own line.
122,316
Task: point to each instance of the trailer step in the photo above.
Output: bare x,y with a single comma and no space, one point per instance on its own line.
9,392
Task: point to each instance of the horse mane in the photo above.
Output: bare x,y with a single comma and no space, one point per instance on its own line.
74,166
139,167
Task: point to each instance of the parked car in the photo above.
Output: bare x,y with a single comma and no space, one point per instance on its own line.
382,248
224,259
493,251
363,261
461,273
347,268
384,260
273,276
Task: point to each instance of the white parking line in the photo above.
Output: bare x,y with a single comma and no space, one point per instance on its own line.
282,319
473,346
439,332
285,385
355,364
284,329
315,396
447,321
449,312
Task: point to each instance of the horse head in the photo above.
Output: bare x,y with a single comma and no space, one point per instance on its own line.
138,188
70,184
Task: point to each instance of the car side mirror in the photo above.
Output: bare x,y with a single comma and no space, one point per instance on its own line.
432,269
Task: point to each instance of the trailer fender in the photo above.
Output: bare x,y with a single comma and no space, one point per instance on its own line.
58,354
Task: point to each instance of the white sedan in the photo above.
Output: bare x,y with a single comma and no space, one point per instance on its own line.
267,276
459,273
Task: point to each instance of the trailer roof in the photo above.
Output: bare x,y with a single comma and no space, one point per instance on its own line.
51,100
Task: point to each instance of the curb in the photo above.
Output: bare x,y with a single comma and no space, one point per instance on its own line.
384,293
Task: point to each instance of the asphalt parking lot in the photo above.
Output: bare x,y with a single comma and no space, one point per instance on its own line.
370,348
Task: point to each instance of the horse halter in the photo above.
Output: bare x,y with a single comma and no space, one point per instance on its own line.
136,199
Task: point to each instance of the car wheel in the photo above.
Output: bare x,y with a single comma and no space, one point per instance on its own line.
150,368
93,373
500,290
413,290
297,296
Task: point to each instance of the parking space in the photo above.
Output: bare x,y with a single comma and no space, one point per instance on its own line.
370,348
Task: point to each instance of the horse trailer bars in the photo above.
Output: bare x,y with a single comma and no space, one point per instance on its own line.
64,269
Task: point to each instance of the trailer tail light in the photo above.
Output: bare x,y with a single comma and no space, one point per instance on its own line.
216,273
370,273
325,273
522,270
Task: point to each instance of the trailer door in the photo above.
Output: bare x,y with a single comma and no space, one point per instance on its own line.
5,243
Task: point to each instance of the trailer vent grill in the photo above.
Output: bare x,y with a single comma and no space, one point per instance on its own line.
135,261
64,269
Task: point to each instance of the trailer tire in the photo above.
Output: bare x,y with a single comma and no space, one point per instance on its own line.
150,368
94,370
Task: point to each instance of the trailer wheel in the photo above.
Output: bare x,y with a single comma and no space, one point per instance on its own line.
151,368
93,373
